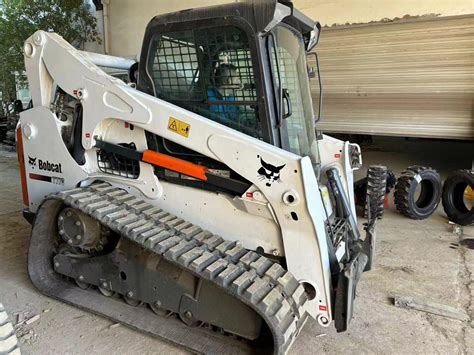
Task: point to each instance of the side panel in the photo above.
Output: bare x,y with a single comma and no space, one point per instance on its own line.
219,214
48,165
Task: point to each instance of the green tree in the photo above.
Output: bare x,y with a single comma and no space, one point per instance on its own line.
19,19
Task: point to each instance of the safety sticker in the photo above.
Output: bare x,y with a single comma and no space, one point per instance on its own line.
180,127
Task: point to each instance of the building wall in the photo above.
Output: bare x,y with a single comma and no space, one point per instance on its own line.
405,78
330,12
128,19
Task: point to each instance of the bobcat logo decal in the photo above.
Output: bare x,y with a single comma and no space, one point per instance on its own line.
31,161
269,172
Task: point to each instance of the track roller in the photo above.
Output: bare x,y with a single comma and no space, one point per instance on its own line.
156,308
128,298
106,292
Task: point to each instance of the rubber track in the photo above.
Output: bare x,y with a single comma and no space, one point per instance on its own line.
8,339
263,285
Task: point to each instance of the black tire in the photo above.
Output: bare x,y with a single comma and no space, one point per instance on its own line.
391,180
376,190
8,340
453,197
430,194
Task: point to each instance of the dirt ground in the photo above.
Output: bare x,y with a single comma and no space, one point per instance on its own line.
424,259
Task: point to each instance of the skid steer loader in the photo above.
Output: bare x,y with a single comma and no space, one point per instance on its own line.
200,192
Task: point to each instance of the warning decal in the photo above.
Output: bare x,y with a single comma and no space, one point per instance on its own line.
180,127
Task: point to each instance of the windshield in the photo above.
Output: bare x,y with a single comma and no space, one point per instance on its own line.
291,57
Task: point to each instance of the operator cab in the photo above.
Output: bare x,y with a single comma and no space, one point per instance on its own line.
242,65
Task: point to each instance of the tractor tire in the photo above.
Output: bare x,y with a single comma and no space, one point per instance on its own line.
427,202
453,197
376,190
8,340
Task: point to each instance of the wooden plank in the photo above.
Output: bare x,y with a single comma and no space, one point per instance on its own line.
431,307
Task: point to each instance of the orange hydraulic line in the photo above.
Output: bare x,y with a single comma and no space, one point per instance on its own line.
175,164
21,160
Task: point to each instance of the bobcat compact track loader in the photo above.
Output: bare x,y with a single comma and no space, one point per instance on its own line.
200,190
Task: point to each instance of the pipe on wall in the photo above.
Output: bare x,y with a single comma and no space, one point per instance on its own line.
105,14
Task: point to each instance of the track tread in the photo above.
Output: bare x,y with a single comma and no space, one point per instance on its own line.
8,340
258,282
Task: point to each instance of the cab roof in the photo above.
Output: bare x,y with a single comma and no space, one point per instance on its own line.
257,13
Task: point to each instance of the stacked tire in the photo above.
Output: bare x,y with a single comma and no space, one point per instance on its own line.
376,191
406,200
454,201
8,340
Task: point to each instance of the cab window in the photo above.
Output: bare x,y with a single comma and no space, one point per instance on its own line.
207,71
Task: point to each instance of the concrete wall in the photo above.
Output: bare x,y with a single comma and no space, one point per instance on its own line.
128,19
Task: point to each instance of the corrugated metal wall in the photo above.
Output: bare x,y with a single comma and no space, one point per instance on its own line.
411,78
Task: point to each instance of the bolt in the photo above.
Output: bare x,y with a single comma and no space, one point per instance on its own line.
61,232
104,284
157,304
78,223
275,252
70,241
69,214
61,218
81,278
78,237
38,39
129,294
56,264
323,320
188,314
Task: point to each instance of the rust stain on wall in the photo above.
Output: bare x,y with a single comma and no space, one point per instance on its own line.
387,20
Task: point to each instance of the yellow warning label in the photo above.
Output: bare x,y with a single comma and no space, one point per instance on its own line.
180,127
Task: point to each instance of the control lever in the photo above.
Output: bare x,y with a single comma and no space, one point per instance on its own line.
289,107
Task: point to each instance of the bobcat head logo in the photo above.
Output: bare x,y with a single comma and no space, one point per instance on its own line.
269,172
31,161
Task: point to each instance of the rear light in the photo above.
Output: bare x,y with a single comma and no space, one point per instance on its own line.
21,161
